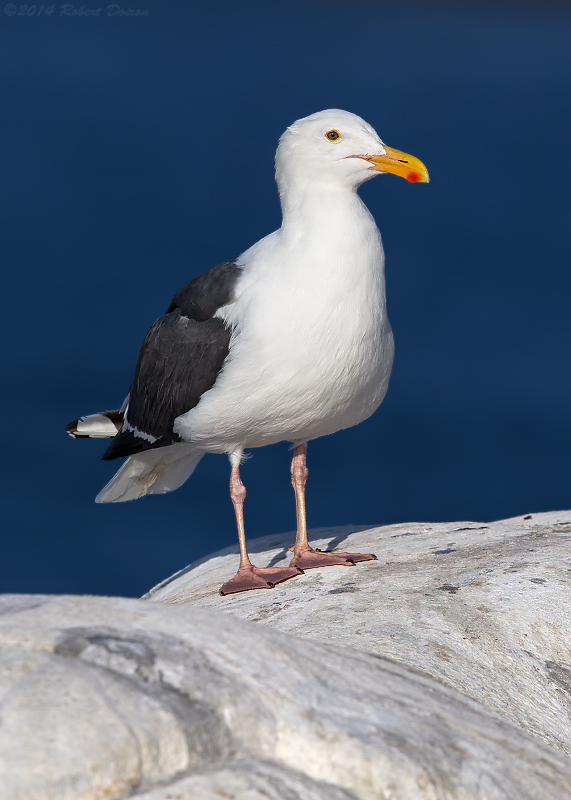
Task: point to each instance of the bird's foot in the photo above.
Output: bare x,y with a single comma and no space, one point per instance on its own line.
250,577
308,558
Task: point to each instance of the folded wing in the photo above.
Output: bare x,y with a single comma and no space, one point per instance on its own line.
180,359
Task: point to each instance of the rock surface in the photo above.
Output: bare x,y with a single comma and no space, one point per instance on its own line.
247,779
483,608
106,698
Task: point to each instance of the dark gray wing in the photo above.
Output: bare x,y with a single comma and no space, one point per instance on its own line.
180,360
201,297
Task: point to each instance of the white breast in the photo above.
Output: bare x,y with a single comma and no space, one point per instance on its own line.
313,348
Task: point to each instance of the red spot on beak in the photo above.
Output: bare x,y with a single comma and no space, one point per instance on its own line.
414,177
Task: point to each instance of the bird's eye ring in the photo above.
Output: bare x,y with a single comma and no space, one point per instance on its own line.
333,135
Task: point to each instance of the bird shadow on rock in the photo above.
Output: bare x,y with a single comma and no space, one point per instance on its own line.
284,541
314,537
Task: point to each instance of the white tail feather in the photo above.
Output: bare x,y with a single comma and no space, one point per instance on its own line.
104,425
151,472
96,425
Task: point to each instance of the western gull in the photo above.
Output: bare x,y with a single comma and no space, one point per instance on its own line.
287,342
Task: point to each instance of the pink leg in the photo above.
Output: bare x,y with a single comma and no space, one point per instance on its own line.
305,556
248,576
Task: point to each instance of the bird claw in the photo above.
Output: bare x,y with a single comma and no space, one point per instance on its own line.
251,577
311,559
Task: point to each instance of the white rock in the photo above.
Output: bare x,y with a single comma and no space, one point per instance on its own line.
247,780
106,697
484,608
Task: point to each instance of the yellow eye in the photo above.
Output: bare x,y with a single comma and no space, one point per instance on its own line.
333,135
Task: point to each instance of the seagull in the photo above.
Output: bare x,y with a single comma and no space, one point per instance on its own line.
287,342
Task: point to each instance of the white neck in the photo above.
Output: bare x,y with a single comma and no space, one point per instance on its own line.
333,225
301,203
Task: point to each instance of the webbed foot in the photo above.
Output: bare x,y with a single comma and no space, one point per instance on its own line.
311,559
250,577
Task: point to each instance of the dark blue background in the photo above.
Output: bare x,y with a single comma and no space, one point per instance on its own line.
137,152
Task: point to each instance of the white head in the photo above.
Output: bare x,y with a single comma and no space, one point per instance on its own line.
337,150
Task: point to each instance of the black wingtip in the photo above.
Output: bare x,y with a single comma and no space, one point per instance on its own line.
72,430
126,444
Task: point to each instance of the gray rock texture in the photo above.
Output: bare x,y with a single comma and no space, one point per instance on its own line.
483,608
105,698
246,779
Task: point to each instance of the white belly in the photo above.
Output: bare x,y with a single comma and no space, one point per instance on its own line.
312,352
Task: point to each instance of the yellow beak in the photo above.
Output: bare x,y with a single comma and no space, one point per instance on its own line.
401,164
